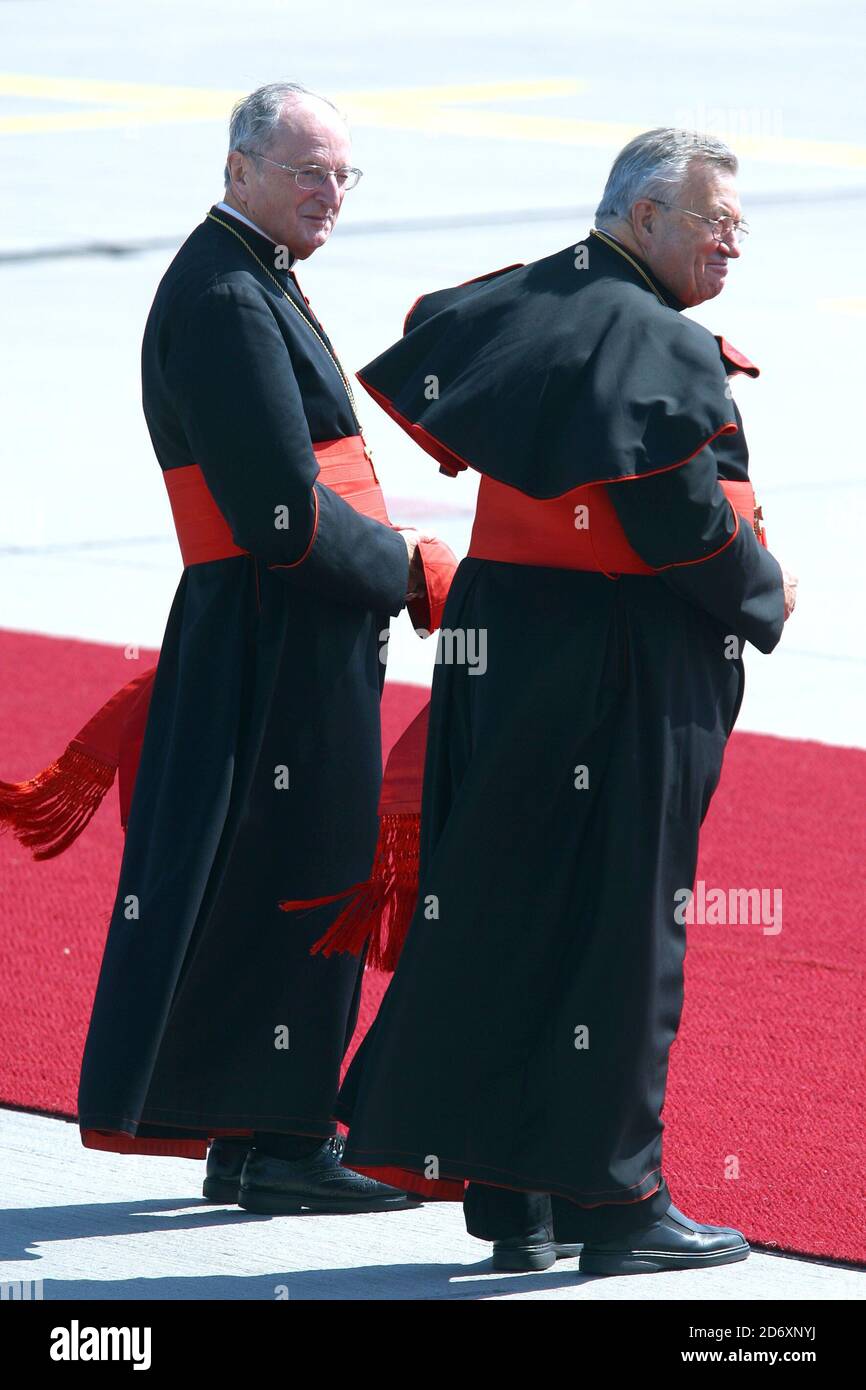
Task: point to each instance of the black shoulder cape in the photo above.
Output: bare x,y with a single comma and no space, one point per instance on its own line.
577,368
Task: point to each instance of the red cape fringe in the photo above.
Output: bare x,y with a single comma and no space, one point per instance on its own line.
382,907
47,812
50,810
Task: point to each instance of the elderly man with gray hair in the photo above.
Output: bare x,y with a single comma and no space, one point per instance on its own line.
617,567
260,767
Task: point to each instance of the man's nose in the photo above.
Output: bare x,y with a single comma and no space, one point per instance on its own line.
334,192
731,248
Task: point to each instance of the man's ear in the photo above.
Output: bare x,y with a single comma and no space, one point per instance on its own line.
643,217
239,170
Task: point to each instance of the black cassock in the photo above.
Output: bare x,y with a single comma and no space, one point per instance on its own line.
523,1042
261,767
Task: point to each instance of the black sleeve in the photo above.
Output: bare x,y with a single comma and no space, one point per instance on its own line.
680,522
352,558
233,385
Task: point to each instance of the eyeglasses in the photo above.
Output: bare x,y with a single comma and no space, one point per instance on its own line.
723,228
313,175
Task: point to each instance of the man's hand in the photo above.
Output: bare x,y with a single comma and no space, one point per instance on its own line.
790,581
417,585
411,537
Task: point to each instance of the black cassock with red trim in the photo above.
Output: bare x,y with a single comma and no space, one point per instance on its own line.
261,762
571,758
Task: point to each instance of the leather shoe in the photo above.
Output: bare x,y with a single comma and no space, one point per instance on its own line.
536,1250
223,1172
319,1182
673,1242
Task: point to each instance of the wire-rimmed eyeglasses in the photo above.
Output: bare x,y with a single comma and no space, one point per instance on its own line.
313,175
723,228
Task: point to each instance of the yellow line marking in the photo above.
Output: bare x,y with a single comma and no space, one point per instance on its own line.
853,304
107,120
437,110
379,110
89,89
141,104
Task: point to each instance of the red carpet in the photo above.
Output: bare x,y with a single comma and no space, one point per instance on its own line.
764,1123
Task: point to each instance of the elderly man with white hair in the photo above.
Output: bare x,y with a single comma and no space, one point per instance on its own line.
616,569
260,766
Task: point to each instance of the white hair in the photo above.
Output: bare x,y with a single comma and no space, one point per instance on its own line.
255,118
655,164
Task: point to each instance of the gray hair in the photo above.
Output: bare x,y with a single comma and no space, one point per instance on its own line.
255,118
655,164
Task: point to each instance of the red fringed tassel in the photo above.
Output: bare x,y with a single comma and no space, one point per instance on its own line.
50,810
383,906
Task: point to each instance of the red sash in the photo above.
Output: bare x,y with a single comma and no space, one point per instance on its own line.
577,530
345,465
49,811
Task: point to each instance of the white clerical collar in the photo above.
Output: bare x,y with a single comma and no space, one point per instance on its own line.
233,212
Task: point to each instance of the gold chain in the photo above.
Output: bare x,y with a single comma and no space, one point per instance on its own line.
299,312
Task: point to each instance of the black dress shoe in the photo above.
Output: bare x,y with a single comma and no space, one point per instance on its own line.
223,1173
537,1250
319,1182
673,1242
